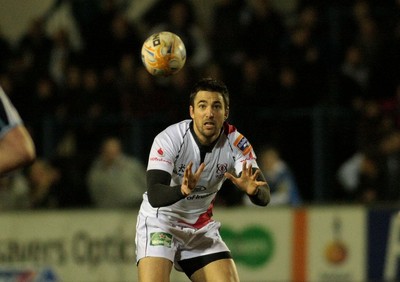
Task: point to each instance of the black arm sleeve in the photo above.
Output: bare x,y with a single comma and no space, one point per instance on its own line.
159,192
262,197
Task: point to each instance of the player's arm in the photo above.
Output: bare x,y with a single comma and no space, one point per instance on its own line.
252,182
159,191
16,149
161,194
262,194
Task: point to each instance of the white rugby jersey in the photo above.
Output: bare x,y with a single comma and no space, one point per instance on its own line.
174,148
9,116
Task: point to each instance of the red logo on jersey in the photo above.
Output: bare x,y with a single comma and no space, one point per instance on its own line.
160,152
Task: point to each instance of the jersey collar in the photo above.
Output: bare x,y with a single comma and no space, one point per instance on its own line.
203,148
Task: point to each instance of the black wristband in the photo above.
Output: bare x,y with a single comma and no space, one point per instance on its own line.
256,193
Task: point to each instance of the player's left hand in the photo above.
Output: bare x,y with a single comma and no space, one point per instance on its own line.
247,182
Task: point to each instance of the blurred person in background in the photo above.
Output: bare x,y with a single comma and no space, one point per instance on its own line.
390,149
116,180
44,185
372,174
354,77
14,192
62,52
359,177
284,188
16,145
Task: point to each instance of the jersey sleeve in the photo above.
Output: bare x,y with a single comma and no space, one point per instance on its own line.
162,155
243,151
9,117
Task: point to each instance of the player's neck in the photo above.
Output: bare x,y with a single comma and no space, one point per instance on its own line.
207,144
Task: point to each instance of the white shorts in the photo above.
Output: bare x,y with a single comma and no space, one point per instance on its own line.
156,237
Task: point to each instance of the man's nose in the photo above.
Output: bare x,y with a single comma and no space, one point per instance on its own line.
210,112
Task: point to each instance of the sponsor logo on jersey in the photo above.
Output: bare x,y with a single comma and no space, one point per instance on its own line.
161,239
160,151
242,143
199,197
156,159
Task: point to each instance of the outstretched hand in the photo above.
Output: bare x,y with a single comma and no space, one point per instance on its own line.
190,180
247,182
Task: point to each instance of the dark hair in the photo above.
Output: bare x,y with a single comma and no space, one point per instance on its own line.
212,85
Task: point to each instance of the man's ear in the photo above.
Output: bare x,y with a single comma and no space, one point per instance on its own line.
226,113
191,111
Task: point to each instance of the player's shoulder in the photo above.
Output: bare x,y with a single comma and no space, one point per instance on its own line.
176,129
236,138
181,126
231,131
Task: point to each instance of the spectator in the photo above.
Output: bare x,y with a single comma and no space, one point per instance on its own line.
61,53
348,174
116,180
284,189
44,185
354,76
371,124
360,177
44,102
372,175
14,192
390,150
370,180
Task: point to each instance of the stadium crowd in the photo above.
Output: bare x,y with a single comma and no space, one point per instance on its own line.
339,56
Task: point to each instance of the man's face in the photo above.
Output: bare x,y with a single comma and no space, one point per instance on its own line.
111,150
208,113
